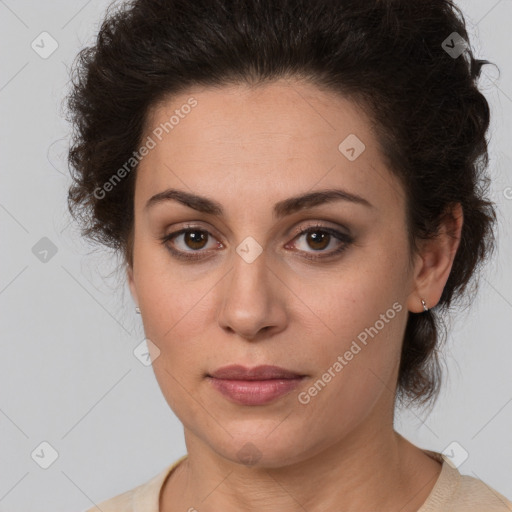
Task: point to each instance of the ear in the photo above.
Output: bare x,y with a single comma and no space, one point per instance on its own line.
434,263
131,283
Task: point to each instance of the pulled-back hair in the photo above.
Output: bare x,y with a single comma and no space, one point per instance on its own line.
391,57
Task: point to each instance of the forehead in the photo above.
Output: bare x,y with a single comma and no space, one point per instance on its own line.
279,139
285,113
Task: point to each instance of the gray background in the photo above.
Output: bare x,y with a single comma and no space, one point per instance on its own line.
68,375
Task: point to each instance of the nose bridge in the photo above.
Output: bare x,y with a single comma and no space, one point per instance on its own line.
249,268
250,301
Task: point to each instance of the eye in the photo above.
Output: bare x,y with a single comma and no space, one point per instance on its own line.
319,238
192,237
191,242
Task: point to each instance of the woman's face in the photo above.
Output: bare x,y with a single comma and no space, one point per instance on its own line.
251,293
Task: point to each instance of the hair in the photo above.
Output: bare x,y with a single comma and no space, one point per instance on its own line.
385,55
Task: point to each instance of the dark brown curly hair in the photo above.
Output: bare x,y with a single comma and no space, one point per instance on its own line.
392,57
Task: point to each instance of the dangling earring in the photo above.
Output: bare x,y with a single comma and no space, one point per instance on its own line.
137,310
424,305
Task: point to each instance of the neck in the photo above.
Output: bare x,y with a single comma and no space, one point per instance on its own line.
368,470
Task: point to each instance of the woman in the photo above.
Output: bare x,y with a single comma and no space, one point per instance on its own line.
296,190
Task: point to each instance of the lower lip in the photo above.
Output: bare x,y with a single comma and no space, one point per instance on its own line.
254,392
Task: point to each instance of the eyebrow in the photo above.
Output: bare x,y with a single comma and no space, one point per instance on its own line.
281,209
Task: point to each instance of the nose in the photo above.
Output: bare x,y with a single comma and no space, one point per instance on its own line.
253,300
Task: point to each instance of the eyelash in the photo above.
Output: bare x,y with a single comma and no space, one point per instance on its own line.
196,255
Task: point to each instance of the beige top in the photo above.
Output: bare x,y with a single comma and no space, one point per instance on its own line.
452,492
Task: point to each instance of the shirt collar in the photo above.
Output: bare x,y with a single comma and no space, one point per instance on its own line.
146,497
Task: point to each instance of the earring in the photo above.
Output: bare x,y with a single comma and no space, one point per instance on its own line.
424,305
137,310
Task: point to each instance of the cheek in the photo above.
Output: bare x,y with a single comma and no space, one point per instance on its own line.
362,318
362,302
174,296
355,369
343,405
174,322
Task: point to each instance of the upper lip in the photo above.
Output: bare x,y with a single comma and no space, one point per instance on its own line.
263,372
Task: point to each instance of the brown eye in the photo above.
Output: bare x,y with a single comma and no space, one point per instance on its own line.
188,243
191,243
318,240
195,239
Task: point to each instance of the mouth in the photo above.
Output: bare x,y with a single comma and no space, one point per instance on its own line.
254,386
264,372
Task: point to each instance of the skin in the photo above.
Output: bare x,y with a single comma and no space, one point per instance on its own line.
248,149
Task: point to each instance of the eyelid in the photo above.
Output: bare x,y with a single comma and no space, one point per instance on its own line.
186,256
298,230
319,225
186,227
344,239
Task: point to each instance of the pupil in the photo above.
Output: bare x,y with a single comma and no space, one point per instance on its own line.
195,237
318,239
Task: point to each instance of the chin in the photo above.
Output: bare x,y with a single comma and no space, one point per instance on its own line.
259,447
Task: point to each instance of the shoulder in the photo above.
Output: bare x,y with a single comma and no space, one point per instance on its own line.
144,497
456,492
120,503
474,494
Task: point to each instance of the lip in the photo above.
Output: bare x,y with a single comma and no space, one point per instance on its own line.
254,386
263,372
